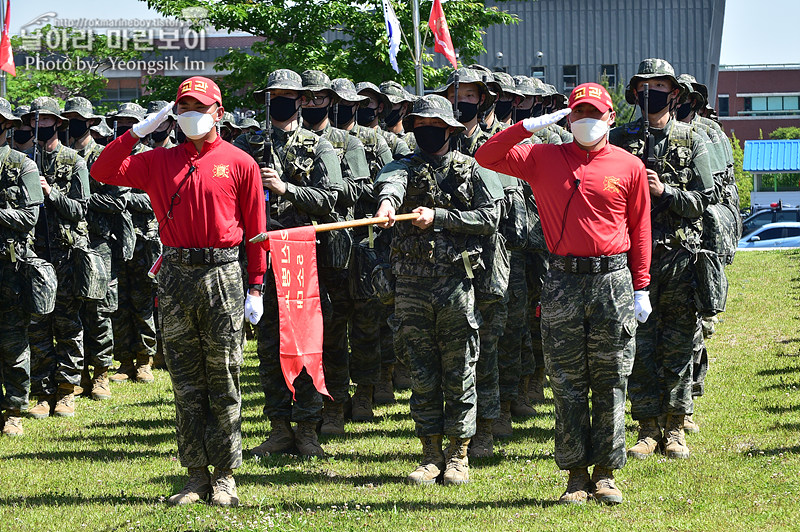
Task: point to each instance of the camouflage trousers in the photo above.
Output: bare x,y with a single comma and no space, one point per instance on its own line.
98,333
535,271
57,338
487,379
133,322
661,382
705,328
202,313
588,329
368,330
15,353
335,353
438,330
278,402
515,333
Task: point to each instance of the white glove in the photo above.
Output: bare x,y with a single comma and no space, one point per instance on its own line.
641,305
535,123
253,308
151,122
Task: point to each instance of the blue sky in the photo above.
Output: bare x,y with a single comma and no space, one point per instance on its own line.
754,32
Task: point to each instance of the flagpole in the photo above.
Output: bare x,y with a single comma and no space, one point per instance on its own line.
417,47
3,72
321,228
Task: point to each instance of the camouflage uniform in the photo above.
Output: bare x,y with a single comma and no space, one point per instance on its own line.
61,228
661,380
532,87
435,317
20,195
396,144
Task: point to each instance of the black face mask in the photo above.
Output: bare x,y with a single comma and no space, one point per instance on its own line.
503,109
282,108
160,136
78,128
21,136
430,139
467,110
180,136
684,110
522,114
365,116
315,115
345,114
46,133
393,118
537,109
121,130
657,100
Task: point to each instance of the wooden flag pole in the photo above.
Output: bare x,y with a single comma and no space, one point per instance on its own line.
348,223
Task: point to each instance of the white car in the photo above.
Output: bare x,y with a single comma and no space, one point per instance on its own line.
770,236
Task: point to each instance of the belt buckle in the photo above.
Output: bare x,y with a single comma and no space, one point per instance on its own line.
196,256
583,266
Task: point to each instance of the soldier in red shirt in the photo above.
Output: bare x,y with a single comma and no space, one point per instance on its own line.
207,196
594,205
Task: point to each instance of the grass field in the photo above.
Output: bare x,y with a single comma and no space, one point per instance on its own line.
111,466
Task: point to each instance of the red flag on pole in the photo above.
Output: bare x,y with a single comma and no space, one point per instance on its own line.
294,263
6,55
441,33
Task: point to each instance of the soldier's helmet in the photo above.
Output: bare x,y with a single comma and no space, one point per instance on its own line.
82,107
529,86
130,110
506,83
102,129
365,88
283,78
649,69
432,106
45,106
396,93
8,114
468,75
346,91
157,105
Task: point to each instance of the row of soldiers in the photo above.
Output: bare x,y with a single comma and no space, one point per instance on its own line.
349,134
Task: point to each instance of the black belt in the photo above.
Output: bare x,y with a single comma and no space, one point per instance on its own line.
196,256
603,264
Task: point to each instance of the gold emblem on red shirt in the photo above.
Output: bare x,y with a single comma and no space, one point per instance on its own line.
220,171
611,184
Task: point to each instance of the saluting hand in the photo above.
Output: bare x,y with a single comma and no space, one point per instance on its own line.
425,219
656,186
270,179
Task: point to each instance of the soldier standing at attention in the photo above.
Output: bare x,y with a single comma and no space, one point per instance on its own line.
20,197
681,188
594,206
208,197
434,259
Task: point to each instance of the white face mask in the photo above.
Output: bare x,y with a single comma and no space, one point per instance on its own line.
589,131
196,125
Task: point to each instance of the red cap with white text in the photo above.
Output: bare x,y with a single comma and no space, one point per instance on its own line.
203,89
591,93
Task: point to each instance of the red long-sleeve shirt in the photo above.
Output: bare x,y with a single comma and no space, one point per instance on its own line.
610,208
221,201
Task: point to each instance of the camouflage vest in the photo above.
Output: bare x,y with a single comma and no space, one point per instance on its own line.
435,253
13,196
370,138
64,233
99,223
469,145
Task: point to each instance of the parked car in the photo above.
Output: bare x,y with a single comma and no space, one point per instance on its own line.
777,213
777,235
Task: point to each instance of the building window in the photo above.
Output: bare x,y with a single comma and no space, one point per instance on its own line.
771,105
570,77
609,73
119,94
723,105
538,72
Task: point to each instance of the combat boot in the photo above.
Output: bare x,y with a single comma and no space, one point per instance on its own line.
65,400
689,426
402,377
579,487
44,405
521,406
125,371
502,425
224,488
280,440
332,418
482,444
432,463
649,439
605,491
306,439
196,489
457,469
536,386
384,390
362,403
101,389
143,372
674,438
86,382
13,423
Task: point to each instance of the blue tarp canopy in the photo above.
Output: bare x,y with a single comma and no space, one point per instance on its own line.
774,156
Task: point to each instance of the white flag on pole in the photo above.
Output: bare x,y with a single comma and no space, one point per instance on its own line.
393,31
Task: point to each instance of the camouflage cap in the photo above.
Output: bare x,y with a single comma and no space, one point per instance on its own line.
488,77
506,83
649,69
346,92
248,122
157,105
691,84
285,79
468,75
8,114
21,110
228,120
315,80
396,93
432,106
365,87
45,106
83,108
130,110
102,128
529,86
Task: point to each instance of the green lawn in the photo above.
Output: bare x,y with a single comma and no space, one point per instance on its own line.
110,467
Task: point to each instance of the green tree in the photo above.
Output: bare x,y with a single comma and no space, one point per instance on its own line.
295,35
625,111
785,133
744,180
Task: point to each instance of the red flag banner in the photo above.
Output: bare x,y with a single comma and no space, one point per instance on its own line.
441,33
6,55
294,263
